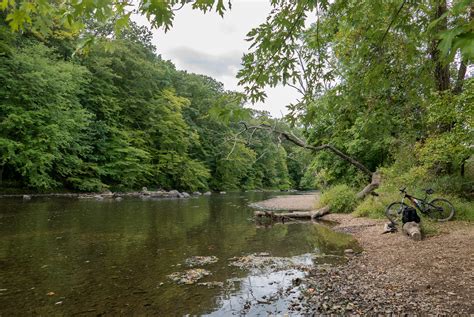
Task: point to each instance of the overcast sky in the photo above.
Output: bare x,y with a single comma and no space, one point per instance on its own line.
211,45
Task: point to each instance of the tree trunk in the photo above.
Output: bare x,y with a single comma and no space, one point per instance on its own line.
412,230
441,71
461,74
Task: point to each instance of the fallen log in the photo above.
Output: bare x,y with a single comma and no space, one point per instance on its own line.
412,230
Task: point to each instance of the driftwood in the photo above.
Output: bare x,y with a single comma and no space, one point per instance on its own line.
412,229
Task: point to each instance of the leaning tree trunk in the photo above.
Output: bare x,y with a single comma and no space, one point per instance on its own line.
374,176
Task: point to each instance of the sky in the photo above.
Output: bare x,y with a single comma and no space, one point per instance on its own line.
213,45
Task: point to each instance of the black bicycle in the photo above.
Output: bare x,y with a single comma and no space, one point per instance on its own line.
439,209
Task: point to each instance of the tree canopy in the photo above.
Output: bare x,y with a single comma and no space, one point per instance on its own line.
386,82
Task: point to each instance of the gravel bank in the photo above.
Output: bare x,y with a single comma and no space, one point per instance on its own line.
393,275
288,202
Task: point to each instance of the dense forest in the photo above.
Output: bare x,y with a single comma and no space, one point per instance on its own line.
87,104
122,117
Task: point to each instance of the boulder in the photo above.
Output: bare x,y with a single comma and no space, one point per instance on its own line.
185,195
174,193
26,197
197,194
107,194
207,194
223,193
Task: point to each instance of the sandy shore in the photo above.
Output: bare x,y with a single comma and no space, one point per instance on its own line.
288,202
394,274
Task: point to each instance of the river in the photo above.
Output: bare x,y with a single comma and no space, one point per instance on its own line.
86,257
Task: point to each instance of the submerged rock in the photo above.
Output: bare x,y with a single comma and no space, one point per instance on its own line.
188,277
211,284
263,261
201,260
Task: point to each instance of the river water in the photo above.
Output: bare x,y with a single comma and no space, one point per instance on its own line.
87,257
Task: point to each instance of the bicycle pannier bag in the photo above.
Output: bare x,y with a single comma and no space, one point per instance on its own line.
409,214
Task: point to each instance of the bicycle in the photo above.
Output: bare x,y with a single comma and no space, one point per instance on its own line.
439,208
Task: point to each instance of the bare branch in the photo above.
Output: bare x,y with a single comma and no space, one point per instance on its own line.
295,140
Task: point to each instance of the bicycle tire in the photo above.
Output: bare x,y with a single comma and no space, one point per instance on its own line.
444,210
394,212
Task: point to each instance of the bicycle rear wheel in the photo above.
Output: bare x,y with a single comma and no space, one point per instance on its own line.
394,212
440,209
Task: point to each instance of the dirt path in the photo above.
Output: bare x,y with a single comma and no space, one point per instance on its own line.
395,274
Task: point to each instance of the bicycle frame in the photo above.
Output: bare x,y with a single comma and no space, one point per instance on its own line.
419,203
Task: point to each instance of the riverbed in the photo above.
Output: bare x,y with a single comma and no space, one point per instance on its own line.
63,256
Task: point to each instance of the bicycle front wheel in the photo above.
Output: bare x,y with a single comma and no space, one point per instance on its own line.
394,212
440,209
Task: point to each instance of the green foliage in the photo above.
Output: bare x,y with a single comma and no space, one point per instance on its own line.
121,117
340,198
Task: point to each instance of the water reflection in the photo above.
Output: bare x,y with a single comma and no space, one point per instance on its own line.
65,256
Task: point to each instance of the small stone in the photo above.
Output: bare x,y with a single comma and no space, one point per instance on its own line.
348,251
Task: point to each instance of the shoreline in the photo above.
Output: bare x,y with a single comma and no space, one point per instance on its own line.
394,274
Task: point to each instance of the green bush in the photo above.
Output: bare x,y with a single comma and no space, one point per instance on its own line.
341,199
416,179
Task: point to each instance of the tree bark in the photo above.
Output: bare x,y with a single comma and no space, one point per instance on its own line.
461,74
441,71
412,230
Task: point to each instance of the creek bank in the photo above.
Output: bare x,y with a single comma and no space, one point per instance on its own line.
394,274
143,194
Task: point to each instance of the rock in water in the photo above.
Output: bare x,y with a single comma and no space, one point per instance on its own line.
189,277
197,193
26,197
174,193
201,260
207,194
223,193
185,195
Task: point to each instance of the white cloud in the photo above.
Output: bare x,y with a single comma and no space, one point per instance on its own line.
200,62
213,45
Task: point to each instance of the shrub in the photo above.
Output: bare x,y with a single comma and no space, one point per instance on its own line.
341,199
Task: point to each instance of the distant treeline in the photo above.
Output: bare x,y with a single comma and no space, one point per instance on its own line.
116,115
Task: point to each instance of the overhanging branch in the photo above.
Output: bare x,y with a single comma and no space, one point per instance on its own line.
297,141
